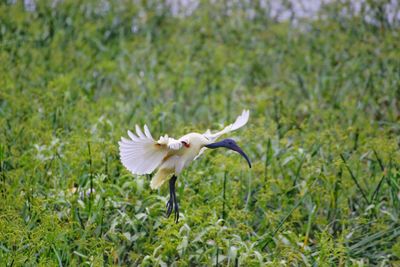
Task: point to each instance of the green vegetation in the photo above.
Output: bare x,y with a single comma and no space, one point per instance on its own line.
323,136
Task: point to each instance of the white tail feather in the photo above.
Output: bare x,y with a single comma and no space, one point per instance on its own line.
160,177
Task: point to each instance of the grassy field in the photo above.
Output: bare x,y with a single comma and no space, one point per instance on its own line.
323,136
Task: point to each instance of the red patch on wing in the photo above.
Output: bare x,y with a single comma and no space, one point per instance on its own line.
185,144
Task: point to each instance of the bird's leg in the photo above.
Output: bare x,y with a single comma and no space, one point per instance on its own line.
170,202
173,202
176,208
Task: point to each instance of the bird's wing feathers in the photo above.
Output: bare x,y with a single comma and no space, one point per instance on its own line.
200,152
169,142
141,154
240,121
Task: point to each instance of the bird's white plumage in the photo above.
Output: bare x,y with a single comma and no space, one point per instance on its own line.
240,121
200,153
141,154
171,143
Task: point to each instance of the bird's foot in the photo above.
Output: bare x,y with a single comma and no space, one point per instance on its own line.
172,205
176,212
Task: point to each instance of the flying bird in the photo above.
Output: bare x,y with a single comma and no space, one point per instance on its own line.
141,154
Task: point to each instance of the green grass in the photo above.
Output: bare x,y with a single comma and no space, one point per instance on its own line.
323,137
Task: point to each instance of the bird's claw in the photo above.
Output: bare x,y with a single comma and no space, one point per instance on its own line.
176,212
172,205
172,202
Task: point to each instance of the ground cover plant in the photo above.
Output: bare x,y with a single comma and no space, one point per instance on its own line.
323,134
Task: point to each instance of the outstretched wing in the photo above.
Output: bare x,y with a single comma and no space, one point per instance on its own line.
200,153
141,154
240,121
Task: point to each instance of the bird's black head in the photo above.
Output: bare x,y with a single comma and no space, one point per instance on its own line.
230,144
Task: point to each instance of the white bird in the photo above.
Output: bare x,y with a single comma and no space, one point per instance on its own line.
141,154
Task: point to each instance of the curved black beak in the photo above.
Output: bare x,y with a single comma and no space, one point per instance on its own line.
230,144
241,152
